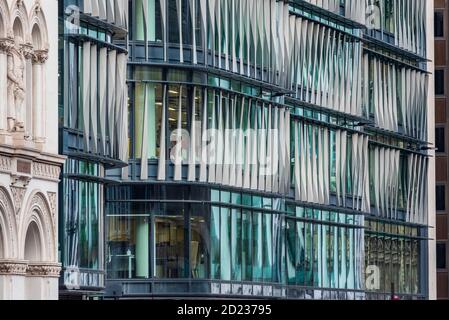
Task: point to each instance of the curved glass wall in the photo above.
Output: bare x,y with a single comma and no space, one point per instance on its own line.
335,114
203,234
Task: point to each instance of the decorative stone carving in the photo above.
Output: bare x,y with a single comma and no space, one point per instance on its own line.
43,270
39,201
18,194
8,267
37,6
5,164
16,87
20,179
40,56
6,45
52,198
25,103
27,50
46,171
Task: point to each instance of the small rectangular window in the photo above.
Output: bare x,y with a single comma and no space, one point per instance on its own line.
439,24
441,198
441,256
440,141
439,82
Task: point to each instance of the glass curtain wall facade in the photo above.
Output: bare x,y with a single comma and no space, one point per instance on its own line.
93,129
274,148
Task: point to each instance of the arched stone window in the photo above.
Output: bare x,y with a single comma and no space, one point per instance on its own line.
38,247
17,29
3,234
8,230
39,218
34,255
39,40
3,13
4,47
19,19
36,37
33,244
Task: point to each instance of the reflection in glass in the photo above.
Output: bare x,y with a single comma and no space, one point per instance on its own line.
170,247
128,247
247,233
147,119
170,240
81,219
199,243
215,243
236,245
225,244
257,247
395,253
291,252
268,245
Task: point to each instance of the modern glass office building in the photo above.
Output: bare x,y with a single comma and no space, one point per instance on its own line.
275,149
93,133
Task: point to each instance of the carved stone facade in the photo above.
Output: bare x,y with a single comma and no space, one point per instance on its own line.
46,171
30,166
5,164
13,267
18,194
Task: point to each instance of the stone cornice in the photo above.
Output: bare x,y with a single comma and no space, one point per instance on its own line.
30,269
40,56
46,171
37,170
31,154
5,163
13,267
51,270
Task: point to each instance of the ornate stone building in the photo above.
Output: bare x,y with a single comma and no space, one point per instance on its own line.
29,161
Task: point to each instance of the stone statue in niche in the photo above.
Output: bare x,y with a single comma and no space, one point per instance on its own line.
16,87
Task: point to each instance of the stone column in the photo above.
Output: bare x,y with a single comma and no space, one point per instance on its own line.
42,281
12,280
39,58
5,46
27,117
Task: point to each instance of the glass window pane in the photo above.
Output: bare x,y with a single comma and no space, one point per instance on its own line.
225,244
247,235
215,243
257,246
236,245
268,245
170,257
200,242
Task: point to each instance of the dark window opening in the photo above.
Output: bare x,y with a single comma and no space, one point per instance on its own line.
441,256
441,199
439,82
440,141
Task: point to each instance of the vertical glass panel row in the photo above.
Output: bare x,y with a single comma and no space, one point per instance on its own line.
81,227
